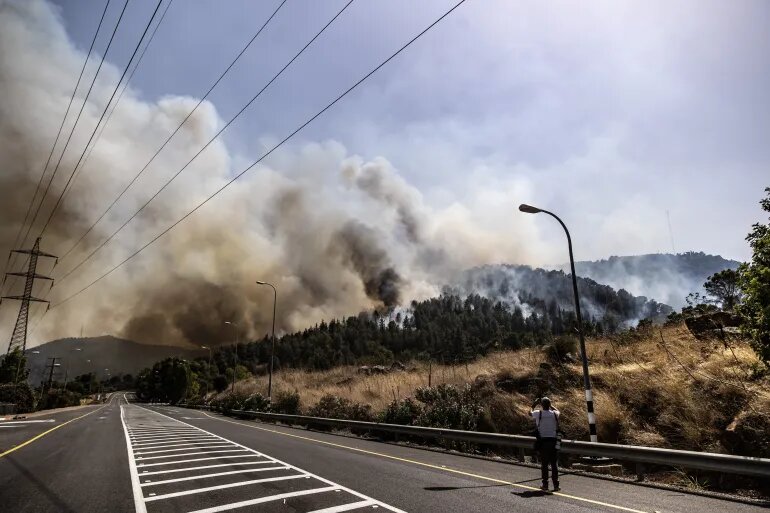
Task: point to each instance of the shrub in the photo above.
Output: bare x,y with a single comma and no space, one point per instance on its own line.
58,398
256,402
403,412
561,349
220,383
335,407
20,395
287,402
447,406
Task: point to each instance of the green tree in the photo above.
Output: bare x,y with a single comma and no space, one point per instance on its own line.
13,368
755,283
724,288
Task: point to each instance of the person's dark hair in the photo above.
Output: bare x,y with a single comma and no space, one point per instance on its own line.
546,403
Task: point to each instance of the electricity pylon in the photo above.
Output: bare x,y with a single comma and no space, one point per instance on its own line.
19,335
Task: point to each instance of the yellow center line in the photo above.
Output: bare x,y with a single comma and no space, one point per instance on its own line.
429,465
41,435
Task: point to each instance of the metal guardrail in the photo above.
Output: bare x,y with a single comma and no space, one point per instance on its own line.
724,463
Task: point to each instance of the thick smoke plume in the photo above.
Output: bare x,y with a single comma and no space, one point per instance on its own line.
335,234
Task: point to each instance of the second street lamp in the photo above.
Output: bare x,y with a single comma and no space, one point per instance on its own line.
272,344
529,209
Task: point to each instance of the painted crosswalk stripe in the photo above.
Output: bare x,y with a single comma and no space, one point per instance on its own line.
262,500
216,474
224,486
201,467
346,507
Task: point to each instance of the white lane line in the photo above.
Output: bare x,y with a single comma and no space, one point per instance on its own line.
196,459
141,447
204,476
218,445
6,423
144,458
137,488
262,500
224,486
331,483
345,507
233,464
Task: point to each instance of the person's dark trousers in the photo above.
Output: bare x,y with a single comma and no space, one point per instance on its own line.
549,455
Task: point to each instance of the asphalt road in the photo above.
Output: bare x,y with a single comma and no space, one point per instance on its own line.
128,457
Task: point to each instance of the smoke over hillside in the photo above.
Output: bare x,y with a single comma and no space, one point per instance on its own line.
334,233
667,278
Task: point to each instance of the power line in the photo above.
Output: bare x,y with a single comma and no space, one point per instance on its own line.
122,91
104,112
141,171
72,131
243,109
56,140
266,154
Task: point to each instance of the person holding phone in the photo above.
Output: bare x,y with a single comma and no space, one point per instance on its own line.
548,433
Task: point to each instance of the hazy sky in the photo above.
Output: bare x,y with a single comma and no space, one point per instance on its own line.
608,113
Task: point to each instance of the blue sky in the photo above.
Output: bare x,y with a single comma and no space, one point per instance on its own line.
610,113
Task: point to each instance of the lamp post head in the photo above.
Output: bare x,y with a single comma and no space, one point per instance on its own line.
204,347
529,209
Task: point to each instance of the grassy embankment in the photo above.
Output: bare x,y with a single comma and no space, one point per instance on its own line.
659,388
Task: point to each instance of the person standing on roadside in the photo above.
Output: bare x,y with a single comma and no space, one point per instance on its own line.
547,422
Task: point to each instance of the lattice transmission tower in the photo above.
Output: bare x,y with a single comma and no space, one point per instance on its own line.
19,335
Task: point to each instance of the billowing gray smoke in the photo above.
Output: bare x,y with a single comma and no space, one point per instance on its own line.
335,235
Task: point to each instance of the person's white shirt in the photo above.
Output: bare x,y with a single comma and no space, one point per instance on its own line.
546,422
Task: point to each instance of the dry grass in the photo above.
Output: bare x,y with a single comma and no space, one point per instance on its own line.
660,388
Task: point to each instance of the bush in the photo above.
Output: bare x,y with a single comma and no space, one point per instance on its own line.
447,406
562,348
403,412
220,383
256,402
21,395
335,407
287,402
58,398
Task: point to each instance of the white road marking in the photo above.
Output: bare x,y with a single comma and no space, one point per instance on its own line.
143,458
346,507
158,439
225,460
228,485
146,473
262,500
138,498
7,423
196,459
219,445
142,447
217,474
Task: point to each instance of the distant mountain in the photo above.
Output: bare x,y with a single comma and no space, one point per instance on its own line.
666,277
118,355
540,290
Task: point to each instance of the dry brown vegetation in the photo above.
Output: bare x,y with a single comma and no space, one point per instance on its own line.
652,387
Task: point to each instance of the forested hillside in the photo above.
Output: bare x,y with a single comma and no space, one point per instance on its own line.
666,277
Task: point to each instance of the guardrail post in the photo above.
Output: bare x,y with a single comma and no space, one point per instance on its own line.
640,468
521,455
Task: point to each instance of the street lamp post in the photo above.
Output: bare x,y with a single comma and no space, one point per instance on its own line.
586,377
272,344
209,371
237,340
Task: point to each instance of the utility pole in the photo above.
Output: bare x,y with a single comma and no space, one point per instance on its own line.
19,335
52,365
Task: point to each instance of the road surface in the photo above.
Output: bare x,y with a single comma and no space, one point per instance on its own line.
124,457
